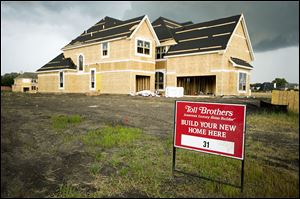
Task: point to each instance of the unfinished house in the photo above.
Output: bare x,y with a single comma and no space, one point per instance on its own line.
26,82
123,57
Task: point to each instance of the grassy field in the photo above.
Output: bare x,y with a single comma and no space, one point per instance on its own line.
128,163
72,145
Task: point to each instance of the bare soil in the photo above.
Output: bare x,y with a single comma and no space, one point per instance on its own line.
34,158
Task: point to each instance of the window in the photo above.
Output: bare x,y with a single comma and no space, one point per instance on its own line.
143,47
26,81
105,49
61,79
159,80
242,81
92,78
80,62
160,52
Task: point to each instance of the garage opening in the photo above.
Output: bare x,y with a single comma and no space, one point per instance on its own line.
142,83
25,89
198,85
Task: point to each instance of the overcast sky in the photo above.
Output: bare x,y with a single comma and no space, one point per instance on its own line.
32,33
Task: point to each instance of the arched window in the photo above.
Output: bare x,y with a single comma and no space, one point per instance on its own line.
159,80
80,62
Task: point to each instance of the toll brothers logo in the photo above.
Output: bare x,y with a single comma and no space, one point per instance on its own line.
203,111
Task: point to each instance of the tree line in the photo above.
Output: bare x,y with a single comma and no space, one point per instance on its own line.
8,79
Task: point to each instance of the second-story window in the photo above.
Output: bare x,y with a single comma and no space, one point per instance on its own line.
105,49
80,60
160,52
143,47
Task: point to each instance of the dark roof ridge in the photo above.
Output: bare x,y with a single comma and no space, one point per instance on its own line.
214,20
132,19
164,18
111,18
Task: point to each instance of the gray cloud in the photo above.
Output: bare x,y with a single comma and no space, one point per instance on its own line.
32,33
271,25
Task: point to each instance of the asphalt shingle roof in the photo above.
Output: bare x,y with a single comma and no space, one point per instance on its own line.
240,62
107,28
27,75
59,62
200,37
190,38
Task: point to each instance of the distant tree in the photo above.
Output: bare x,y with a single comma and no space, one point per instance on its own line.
8,79
280,82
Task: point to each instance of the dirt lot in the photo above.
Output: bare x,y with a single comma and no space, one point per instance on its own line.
35,159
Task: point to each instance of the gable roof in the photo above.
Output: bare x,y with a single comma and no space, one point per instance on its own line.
146,19
106,29
58,63
27,75
243,23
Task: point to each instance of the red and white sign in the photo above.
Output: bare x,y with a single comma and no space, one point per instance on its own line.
210,128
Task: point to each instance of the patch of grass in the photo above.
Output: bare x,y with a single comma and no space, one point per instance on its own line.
144,165
274,120
131,164
95,168
68,191
65,121
109,137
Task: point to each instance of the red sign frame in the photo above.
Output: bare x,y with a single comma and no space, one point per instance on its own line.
214,128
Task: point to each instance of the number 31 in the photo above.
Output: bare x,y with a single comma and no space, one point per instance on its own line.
206,144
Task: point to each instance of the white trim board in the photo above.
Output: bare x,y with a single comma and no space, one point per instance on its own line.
119,71
197,53
229,71
54,71
100,72
124,60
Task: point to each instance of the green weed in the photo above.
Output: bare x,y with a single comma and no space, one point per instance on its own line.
64,121
109,137
67,191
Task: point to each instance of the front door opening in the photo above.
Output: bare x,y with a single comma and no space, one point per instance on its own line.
142,83
198,85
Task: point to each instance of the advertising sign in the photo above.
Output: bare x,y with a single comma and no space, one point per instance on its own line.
211,128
